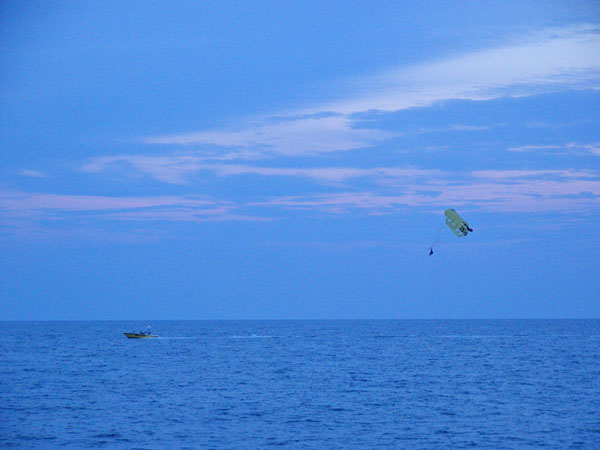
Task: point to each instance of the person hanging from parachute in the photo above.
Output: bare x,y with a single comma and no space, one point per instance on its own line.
456,223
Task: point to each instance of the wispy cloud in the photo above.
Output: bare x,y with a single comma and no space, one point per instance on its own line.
571,147
33,174
484,196
171,168
554,59
561,174
327,174
492,190
289,136
35,206
23,201
525,191
178,168
551,60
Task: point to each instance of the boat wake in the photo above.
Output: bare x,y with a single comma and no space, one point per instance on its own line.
177,337
253,336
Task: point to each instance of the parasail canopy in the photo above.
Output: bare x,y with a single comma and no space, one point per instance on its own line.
456,223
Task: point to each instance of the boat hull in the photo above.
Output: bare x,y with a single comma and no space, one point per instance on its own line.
139,336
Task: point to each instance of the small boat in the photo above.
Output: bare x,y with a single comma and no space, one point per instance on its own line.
141,334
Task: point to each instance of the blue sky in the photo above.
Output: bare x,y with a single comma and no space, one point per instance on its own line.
292,160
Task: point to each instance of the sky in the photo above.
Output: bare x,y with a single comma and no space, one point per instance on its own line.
293,159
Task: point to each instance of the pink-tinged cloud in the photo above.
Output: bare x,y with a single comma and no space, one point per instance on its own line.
571,147
19,206
566,190
172,169
502,192
221,214
333,174
180,169
528,174
20,201
498,190
290,136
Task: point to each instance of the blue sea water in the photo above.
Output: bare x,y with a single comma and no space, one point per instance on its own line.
301,384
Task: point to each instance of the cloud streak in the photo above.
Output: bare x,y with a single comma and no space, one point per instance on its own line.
32,174
177,169
556,59
35,206
289,136
173,169
523,191
571,147
533,197
490,190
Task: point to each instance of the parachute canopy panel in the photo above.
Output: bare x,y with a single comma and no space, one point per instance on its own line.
458,226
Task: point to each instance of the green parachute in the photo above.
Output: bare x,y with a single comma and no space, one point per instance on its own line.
456,223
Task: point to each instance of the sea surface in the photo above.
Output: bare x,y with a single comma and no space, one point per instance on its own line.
301,384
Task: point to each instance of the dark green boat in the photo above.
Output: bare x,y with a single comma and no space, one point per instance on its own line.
141,335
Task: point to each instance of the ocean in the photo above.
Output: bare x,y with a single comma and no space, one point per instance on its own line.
484,384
